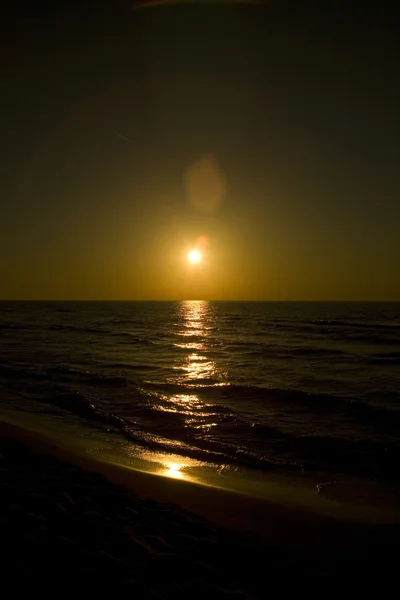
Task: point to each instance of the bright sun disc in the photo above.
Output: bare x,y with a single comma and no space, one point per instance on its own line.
194,257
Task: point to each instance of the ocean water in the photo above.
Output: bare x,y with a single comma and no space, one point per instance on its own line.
288,388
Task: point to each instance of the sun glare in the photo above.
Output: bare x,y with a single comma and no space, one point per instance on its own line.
194,257
173,470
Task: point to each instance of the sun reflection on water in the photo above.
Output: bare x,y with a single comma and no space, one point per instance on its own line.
184,391
196,369
196,321
167,464
173,470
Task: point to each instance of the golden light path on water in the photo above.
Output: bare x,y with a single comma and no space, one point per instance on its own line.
194,369
197,367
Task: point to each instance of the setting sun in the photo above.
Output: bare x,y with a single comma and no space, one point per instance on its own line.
194,257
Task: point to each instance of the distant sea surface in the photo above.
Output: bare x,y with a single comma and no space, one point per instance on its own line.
276,387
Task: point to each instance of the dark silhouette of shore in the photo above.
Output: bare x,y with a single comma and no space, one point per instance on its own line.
66,531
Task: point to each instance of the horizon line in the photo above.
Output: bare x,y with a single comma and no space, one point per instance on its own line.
191,300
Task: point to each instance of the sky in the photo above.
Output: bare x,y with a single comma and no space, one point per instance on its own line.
263,134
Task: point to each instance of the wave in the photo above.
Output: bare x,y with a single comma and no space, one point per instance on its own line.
309,351
130,338
383,358
290,402
365,413
70,374
62,373
221,390
82,406
374,339
5,326
20,373
237,439
234,318
66,327
58,327
275,351
355,324
332,403
337,329
394,354
129,366
287,452
223,397
242,392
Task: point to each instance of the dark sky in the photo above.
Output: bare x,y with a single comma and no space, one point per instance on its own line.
264,134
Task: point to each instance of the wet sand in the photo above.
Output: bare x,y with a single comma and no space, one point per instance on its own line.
73,526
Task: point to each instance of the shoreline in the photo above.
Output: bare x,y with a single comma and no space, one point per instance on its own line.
247,512
348,500
209,502
113,528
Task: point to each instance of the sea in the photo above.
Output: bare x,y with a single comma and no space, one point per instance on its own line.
215,391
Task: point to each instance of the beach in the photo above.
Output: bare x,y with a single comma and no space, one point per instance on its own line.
199,301
71,526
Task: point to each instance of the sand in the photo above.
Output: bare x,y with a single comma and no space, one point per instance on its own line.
68,529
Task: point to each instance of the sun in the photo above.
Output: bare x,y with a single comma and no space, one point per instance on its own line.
194,257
